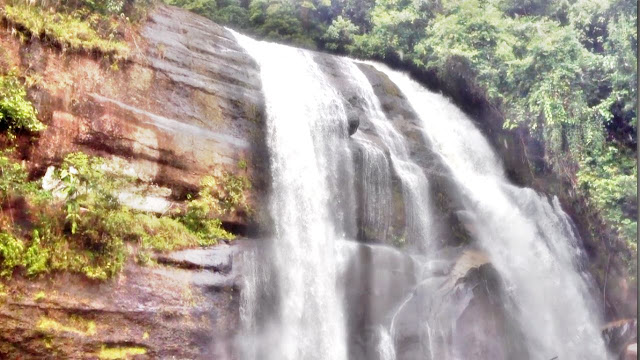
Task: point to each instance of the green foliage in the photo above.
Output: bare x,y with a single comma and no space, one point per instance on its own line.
282,20
35,258
552,9
16,111
396,26
609,177
340,34
87,230
11,250
233,13
206,8
113,7
219,195
13,176
535,66
620,49
85,186
76,30
166,233
571,84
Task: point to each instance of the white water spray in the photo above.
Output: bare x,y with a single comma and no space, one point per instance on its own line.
527,237
305,118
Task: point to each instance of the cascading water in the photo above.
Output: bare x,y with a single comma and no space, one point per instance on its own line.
305,121
376,189
528,239
414,182
314,292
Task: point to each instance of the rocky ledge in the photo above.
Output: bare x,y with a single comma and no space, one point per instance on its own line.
185,307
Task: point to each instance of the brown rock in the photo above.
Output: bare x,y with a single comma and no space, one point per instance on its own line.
186,105
163,311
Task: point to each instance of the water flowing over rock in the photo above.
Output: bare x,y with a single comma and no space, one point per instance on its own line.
501,277
387,227
306,131
528,238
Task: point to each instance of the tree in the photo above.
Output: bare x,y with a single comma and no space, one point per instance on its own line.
340,34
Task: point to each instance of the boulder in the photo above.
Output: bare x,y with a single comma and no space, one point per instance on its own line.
459,298
618,335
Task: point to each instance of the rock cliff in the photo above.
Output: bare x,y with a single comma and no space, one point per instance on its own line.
186,104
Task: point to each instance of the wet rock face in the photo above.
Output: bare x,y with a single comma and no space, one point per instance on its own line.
449,228
620,335
389,289
164,311
466,319
379,277
188,104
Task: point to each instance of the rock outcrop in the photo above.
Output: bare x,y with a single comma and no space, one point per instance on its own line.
186,105
620,335
184,309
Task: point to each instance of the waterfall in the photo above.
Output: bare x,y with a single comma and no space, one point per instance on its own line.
375,175
513,287
306,135
414,182
528,238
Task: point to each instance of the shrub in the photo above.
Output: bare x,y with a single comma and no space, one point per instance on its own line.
12,175
609,177
10,252
219,195
16,111
87,230
35,259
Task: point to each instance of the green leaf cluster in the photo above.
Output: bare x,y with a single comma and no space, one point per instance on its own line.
79,226
610,177
17,114
219,195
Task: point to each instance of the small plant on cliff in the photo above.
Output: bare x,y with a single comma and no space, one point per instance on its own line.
13,176
84,184
219,195
74,30
35,258
17,114
399,241
11,250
